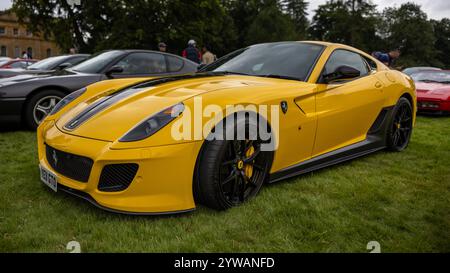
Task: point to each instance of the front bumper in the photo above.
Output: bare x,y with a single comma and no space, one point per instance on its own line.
163,182
432,105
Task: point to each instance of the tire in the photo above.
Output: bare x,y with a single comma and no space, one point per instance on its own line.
222,178
401,126
39,106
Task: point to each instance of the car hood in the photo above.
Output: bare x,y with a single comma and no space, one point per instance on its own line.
433,90
112,122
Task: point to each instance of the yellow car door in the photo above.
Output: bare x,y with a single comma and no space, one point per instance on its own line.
347,106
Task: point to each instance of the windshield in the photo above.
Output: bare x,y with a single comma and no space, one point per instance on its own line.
48,64
432,76
279,60
97,63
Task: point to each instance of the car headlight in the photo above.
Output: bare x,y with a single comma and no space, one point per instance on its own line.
153,124
66,100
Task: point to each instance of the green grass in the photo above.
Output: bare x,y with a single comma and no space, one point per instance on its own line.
401,200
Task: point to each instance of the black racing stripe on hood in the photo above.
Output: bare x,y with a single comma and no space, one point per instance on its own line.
115,97
100,105
159,81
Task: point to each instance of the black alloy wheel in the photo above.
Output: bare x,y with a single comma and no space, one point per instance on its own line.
230,172
400,131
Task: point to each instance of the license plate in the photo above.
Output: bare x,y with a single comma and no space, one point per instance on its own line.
49,178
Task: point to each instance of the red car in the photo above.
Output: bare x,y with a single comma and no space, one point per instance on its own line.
16,63
433,91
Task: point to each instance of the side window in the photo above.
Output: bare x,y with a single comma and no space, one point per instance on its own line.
175,63
348,58
143,63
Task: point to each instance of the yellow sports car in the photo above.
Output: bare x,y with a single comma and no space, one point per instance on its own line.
260,114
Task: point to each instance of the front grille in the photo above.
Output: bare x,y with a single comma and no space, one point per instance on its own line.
117,177
72,166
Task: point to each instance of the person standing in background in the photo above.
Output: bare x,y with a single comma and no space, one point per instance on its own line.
192,53
387,58
208,57
162,47
25,55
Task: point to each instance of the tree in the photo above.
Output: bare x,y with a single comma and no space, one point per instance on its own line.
98,25
206,21
408,28
271,25
243,13
80,26
442,44
350,22
133,24
297,10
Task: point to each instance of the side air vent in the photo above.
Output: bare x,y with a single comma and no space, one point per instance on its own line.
117,177
379,122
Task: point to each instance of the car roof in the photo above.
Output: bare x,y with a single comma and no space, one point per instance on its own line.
140,50
22,60
333,46
73,55
150,51
135,51
432,71
424,67
325,44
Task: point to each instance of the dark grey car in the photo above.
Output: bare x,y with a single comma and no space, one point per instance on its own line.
31,97
46,66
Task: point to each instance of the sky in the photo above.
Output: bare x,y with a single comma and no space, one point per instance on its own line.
436,9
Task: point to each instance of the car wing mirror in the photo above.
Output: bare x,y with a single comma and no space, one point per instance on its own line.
114,70
343,72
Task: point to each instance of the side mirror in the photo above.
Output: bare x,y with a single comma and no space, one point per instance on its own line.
64,66
114,70
342,73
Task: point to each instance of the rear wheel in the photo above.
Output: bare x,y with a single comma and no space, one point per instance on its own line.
39,106
400,129
230,172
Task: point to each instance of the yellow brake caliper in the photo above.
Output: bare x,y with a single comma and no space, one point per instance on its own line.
249,167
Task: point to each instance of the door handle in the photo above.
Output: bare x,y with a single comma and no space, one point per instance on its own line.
378,85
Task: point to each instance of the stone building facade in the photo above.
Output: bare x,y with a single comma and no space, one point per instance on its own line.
15,39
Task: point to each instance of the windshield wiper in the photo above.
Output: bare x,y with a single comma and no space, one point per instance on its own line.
279,77
430,81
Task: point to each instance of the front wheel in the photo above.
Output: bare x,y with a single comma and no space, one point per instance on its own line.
401,126
230,172
39,106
